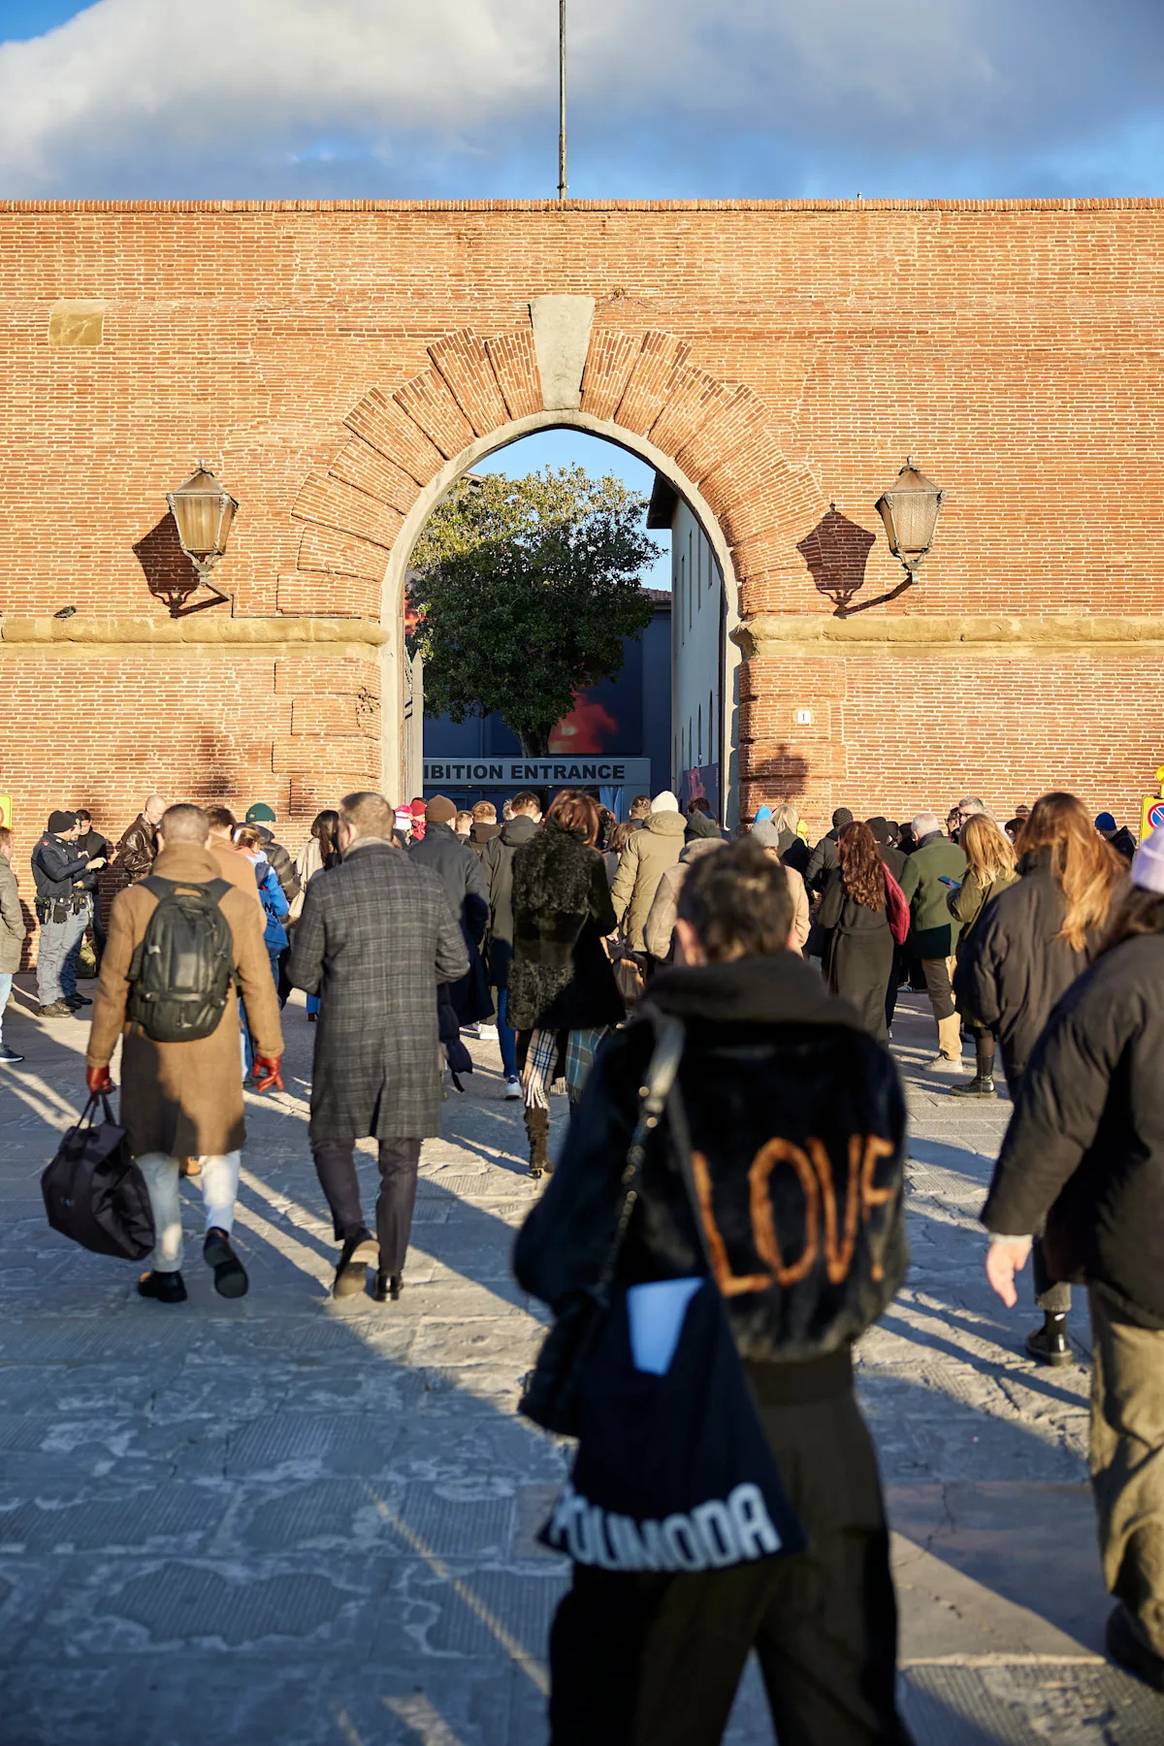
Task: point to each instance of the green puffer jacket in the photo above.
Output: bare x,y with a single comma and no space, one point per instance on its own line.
934,931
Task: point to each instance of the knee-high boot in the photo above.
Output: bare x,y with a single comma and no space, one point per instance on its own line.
537,1127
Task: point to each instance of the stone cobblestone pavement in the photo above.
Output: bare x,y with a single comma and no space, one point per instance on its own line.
286,1519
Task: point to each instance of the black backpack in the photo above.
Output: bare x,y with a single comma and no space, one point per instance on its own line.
180,973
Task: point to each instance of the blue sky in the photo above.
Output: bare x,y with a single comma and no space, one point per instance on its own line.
566,448
669,98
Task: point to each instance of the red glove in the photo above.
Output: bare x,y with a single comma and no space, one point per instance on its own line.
266,1072
98,1079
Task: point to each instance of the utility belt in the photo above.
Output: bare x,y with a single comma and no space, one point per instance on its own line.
59,909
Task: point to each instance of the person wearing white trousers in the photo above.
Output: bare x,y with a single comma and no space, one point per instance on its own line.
218,1176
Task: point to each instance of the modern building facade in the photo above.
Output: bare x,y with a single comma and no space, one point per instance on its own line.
704,664
616,739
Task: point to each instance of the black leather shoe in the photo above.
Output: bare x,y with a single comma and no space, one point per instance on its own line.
975,1087
360,1252
9,1057
162,1287
1049,1344
230,1276
1125,1646
76,1001
388,1285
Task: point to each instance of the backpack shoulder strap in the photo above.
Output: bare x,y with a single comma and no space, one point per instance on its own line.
158,887
216,890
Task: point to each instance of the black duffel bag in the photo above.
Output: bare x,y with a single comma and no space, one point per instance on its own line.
95,1193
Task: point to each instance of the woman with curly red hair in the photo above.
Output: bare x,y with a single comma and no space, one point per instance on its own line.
854,917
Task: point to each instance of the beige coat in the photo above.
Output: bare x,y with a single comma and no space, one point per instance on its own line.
801,918
660,923
184,1099
234,867
645,859
661,920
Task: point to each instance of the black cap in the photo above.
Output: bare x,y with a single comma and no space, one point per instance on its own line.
842,817
60,822
882,830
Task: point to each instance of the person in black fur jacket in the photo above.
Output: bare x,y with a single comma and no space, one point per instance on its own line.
797,1130
561,984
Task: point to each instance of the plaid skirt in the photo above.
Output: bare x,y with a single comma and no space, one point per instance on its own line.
556,1061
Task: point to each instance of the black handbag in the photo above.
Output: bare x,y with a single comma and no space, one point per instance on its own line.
95,1193
551,1392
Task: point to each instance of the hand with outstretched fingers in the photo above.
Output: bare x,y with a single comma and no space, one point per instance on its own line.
1005,1257
267,1074
99,1080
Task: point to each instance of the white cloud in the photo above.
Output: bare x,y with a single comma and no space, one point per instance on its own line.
421,96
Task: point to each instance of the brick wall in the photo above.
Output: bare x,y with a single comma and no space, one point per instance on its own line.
329,360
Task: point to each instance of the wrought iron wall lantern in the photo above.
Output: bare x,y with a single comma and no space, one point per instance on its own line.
203,511
909,510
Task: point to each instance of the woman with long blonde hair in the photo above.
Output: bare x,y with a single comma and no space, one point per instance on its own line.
1030,945
992,868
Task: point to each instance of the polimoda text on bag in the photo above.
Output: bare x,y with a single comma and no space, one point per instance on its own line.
95,1193
180,974
673,1471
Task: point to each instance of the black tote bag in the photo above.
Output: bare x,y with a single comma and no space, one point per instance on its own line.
673,1472
95,1193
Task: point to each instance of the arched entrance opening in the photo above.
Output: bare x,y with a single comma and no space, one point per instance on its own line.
571,363
704,660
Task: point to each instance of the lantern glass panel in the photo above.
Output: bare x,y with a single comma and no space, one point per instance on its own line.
914,516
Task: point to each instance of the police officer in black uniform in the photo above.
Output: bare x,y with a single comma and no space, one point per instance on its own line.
64,908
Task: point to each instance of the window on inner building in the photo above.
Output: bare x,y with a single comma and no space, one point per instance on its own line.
691,573
682,591
699,737
711,727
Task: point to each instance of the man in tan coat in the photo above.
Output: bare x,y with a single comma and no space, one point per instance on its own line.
645,859
232,866
185,1099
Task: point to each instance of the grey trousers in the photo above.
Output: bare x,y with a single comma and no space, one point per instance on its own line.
57,954
1127,1466
335,1163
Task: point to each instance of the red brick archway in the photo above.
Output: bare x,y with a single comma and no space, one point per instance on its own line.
404,446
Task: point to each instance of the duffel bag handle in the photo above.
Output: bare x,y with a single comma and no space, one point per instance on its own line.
85,1119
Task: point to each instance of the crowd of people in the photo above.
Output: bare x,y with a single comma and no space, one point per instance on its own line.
773,1164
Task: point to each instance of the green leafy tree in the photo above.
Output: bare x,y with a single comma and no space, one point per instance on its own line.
524,590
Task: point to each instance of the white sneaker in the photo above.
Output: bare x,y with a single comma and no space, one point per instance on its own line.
945,1064
512,1090
487,1033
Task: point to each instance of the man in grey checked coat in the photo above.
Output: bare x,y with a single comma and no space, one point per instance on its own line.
375,937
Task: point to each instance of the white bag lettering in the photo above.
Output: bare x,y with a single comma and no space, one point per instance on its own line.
716,1530
753,1523
683,1544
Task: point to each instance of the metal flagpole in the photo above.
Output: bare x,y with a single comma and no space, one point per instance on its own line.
561,99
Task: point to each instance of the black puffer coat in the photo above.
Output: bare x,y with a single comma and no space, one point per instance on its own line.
1085,1146
773,1066
461,874
560,977
857,952
497,861
1014,967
